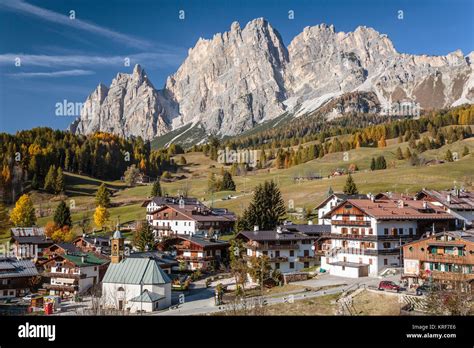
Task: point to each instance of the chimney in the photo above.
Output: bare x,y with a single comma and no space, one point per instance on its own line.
255,228
400,203
425,205
310,222
448,198
279,229
83,259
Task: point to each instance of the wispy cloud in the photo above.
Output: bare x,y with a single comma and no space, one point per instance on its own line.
55,17
53,74
60,61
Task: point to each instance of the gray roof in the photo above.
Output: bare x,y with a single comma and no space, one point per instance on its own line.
13,268
273,235
204,242
33,240
68,247
162,258
309,229
148,296
136,271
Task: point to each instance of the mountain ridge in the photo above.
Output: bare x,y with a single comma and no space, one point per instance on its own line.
246,76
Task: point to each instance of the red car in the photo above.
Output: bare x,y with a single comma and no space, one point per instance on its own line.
388,285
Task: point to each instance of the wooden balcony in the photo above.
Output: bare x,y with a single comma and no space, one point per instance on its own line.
448,258
57,287
350,223
368,237
195,258
64,275
369,252
450,276
272,246
278,259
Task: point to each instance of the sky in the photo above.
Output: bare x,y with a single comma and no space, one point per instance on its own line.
64,55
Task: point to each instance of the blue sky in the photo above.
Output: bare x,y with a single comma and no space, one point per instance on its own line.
65,59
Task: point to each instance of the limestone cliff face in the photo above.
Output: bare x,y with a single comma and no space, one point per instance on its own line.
242,77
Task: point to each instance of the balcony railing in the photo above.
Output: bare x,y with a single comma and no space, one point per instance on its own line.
368,237
64,275
278,259
58,287
350,223
195,258
369,252
307,258
272,246
455,276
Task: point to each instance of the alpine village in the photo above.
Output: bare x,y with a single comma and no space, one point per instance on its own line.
375,222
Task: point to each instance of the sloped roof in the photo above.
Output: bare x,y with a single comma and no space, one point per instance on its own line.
273,235
13,268
84,259
340,197
457,199
136,271
148,296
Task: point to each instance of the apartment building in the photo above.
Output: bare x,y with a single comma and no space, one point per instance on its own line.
288,251
366,234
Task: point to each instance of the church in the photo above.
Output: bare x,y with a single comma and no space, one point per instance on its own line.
134,284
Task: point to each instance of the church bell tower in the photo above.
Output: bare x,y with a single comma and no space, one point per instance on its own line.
117,244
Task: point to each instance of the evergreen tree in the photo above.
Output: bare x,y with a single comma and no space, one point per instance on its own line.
60,185
102,197
156,189
399,154
143,238
50,180
372,164
350,187
227,182
449,156
266,210
4,219
62,215
211,183
465,151
34,182
380,163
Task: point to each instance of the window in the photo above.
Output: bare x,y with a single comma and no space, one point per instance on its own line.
277,265
292,265
176,223
385,262
410,230
370,261
343,268
410,248
292,253
386,245
400,231
385,231
371,231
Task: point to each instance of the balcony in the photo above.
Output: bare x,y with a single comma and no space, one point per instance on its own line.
272,246
278,259
57,287
447,258
369,252
68,275
350,223
195,258
368,237
451,276
307,258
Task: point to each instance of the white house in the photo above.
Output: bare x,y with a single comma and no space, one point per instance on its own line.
157,202
136,284
457,202
74,273
330,202
366,234
287,251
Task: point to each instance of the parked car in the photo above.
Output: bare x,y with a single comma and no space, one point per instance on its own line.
29,297
425,289
388,285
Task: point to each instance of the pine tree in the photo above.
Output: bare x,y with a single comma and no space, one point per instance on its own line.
266,210
4,219
465,151
62,215
59,185
372,164
102,197
23,215
350,187
399,154
143,238
156,189
50,180
34,182
211,183
449,156
227,182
